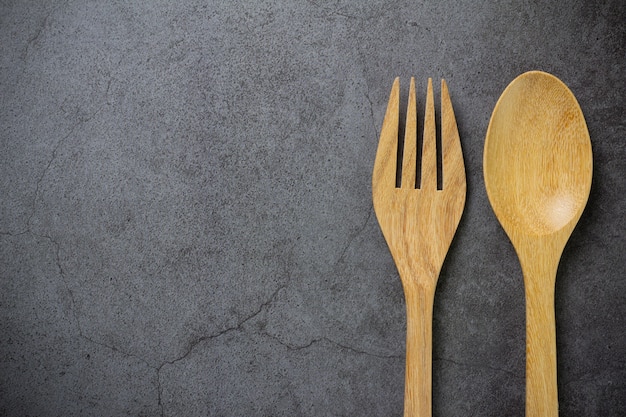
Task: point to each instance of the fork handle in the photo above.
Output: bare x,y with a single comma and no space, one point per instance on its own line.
419,352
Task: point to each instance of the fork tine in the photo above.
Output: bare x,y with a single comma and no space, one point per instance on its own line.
429,147
409,158
387,153
453,167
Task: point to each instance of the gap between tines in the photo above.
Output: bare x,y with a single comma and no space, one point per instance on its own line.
438,138
420,92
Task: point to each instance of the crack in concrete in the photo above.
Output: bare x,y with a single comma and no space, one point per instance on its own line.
354,236
160,391
118,350
375,126
73,310
238,326
130,355
363,352
369,99
330,341
57,258
191,347
81,334
478,366
80,122
3,233
36,36
40,30
57,250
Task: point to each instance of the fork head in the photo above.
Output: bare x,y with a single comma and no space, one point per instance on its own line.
419,220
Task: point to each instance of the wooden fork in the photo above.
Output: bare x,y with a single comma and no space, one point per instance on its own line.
419,222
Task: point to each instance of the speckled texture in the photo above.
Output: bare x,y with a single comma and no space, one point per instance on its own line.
186,224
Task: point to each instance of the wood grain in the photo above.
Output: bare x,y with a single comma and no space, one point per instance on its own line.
419,224
538,169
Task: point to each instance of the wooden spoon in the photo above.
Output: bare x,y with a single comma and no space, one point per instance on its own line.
538,168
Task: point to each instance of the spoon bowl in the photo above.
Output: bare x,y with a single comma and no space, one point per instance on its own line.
538,168
537,159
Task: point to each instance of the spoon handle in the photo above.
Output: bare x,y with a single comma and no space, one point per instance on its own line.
541,381
419,352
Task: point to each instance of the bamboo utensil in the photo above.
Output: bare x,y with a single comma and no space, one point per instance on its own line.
419,222
537,169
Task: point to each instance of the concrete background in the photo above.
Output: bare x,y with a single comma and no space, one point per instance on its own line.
186,222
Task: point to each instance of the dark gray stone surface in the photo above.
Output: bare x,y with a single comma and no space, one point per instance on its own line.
186,225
